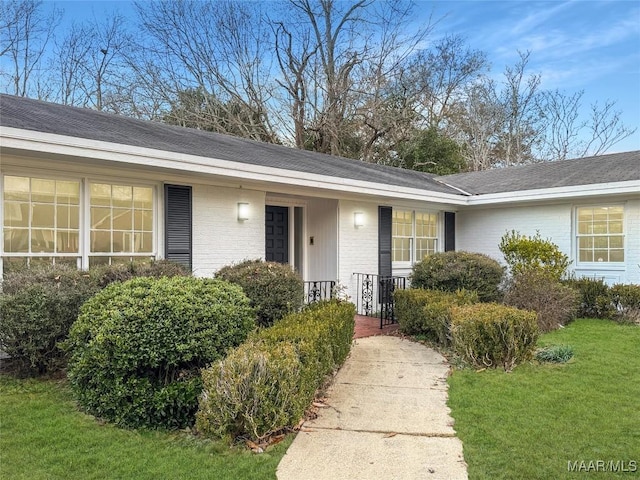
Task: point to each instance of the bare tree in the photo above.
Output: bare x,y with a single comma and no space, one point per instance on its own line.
67,67
480,122
606,129
519,99
218,48
26,32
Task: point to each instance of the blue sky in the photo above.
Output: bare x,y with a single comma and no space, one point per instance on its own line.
575,45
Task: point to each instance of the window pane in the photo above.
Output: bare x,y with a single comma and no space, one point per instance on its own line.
401,249
616,242
600,255
122,219
122,196
616,255
101,241
586,255
16,214
42,240
143,197
67,193
67,241
43,215
121,241
143,242
584,228
67,216
16,240
43,190
143,220
100,194
615,227
101,218
16,188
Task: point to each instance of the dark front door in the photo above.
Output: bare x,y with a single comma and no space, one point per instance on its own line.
277,234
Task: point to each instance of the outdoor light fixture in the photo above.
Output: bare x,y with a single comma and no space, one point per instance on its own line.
358,219
243,212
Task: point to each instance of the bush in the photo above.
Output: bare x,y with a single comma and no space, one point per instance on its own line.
595,298
137,347
273,288
453,271
265,385
38,306
107,274
555,354
555,304
525,254
492,335
626,302
428,312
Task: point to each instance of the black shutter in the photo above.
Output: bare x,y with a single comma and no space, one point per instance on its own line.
177,228
385,220
449,231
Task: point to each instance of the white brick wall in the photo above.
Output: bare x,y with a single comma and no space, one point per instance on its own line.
480,230
358,247
218,237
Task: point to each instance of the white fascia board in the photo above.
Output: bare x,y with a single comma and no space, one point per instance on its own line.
557,193
126,154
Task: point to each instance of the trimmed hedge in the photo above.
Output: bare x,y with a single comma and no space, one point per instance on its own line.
274,289
38,306
555,304
266,385
453,271
137,347
492,335
428,312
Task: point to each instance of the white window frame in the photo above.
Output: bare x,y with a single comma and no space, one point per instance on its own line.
578,236
413,238
84,253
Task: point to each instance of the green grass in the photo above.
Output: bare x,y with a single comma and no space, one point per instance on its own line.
530,423
44,436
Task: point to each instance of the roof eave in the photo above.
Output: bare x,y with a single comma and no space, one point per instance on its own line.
557,193
29,140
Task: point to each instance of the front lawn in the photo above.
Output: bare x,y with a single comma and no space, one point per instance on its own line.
529,424
44,436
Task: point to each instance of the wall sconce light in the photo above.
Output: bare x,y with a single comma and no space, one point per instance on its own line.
358,219
243,212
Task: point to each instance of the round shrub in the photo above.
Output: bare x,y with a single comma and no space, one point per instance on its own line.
38,306
555,304
453,271
137,347
273,288
493,335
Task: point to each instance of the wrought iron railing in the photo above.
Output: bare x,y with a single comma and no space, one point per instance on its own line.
375,295
317,290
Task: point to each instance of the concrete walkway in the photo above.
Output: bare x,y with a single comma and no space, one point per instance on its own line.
386,418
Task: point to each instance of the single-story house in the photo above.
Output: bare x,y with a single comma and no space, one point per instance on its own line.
85,187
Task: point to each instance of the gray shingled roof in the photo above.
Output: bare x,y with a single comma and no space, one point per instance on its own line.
616,167
29,114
